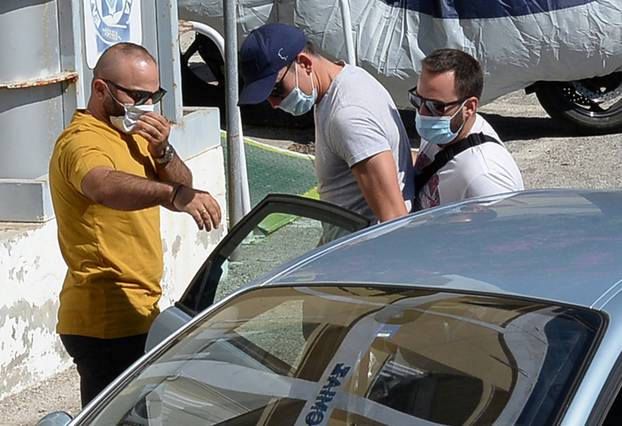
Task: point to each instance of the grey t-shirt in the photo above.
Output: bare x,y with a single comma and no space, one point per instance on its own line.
355,120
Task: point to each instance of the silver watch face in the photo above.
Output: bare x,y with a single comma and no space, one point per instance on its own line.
169,152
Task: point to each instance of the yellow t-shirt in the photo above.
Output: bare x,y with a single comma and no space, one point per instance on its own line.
114,257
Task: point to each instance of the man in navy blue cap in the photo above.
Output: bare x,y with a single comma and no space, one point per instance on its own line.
362,159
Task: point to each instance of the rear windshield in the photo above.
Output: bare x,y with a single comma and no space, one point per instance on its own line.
365,356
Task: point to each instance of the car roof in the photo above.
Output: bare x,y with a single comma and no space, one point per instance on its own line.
561,245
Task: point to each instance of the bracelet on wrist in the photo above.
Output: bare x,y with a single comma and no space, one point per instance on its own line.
175,192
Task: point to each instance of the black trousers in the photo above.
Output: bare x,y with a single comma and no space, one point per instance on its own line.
100,361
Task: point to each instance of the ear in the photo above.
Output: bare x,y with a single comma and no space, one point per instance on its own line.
98,88
305,62
470,106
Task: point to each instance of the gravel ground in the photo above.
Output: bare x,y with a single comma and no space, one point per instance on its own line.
547,154
61,392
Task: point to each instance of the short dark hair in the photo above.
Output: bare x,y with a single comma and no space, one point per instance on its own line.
310,48
469,78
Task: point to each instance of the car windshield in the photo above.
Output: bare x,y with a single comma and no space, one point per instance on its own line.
345,355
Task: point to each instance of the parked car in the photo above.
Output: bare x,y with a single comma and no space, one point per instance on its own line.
567,52
499,310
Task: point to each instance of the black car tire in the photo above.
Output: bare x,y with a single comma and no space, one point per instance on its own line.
590,106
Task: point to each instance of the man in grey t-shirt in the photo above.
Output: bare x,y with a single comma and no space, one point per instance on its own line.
363,159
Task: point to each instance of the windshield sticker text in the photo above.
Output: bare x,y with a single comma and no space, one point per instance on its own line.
326,395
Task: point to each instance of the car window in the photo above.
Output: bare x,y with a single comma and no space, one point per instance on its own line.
281,228
277,239
364,355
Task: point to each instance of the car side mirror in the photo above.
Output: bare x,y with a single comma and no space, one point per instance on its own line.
165,324
57,418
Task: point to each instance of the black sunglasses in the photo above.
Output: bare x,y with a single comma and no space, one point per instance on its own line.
435,107
140,96
277,90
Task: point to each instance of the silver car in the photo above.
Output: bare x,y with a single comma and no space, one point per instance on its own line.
501,310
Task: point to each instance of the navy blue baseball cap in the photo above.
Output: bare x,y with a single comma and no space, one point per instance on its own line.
264,52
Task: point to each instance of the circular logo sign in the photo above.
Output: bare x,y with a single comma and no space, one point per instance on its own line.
111,19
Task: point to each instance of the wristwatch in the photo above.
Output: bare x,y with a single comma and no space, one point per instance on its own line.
167,156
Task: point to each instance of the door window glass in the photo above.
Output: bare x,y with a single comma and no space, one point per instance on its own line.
277,239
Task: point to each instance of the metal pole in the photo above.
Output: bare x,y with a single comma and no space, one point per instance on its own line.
219,41
346,18
236,160
168,53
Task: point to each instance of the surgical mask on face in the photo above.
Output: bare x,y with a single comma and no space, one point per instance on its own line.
298,102
437,130
127,122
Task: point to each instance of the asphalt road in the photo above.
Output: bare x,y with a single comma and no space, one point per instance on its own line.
547,153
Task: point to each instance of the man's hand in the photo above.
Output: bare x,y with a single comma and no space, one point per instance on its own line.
198,204
155,128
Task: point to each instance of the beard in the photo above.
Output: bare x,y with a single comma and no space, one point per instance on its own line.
112,107
457,121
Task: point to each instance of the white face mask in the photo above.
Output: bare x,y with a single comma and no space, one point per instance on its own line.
126,122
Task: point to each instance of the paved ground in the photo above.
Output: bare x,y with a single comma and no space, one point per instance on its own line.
547,155
58,393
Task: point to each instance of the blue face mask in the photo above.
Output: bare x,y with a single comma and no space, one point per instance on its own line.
298,102
437,130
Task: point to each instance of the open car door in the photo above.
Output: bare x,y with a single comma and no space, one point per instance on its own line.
280,228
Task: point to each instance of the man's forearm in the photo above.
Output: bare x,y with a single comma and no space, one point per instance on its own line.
175,171
377,179
123,191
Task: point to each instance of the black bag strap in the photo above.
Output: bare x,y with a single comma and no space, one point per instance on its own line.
446,154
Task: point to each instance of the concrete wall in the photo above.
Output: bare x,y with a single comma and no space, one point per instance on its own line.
31,272
32,269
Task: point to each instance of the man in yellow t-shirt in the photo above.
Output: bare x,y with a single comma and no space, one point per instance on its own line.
110,171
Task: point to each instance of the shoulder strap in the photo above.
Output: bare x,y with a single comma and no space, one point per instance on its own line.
446,154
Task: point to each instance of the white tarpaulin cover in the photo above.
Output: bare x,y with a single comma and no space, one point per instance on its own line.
518,42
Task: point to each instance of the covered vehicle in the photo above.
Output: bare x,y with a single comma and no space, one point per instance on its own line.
500,310
568,51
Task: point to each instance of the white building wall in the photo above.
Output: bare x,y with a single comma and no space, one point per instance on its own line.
31,272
